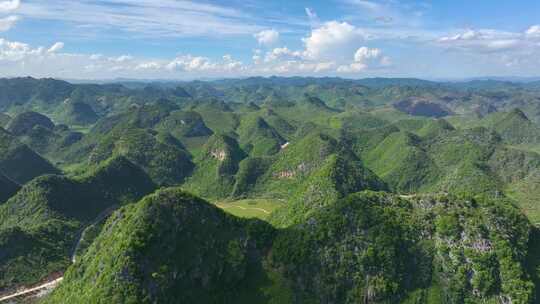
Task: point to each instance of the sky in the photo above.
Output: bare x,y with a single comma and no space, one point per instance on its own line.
181,39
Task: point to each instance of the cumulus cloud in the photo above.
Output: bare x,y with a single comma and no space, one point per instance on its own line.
267,37
280,54
7,23
365,58
365,53
56,47
8,6
16,51
17,58
332,47
333,40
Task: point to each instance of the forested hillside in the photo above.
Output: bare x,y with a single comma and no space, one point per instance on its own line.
271,190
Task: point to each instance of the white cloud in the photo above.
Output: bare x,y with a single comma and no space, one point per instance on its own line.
267,37
282,54
18,58
96,56
365,53
123,58
369,5
257,58
467,35
484,41
7,23
189,63
333,40
365,58
152,65
295,67
56,47
533,31
8,6
330,48
165,18
16,51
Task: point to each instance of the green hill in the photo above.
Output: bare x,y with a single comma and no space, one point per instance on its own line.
166,163
184,124
442,159
462,156
19,162
25,122
79,113
258,138
216,167
402,163
278,123
351,120
516,128
41,223
308,174
153,252
366,248
435,128
304,109
144,116
341,174
218,116
296,162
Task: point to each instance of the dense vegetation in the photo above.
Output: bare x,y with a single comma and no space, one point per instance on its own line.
40,224
369,247
371,191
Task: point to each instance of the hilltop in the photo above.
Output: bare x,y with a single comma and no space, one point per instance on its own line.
19,162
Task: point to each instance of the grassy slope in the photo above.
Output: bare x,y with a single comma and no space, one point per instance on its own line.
251,208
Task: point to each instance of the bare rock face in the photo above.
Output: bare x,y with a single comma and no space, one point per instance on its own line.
219,154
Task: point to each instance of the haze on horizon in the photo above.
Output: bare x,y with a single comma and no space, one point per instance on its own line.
168,39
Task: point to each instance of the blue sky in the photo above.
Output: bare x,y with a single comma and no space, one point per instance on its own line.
181,39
